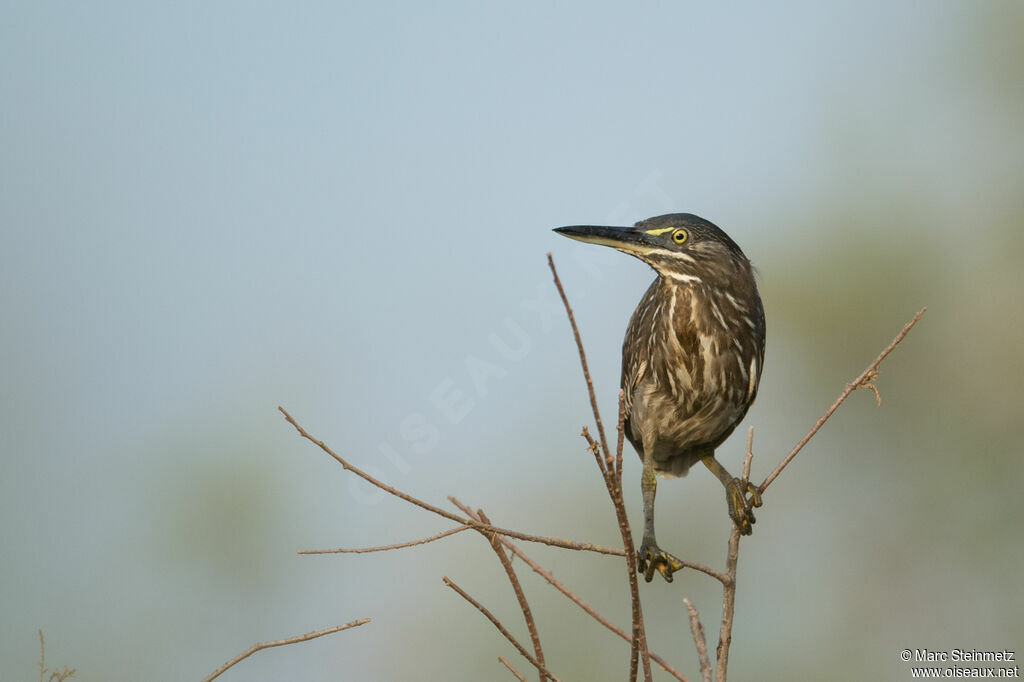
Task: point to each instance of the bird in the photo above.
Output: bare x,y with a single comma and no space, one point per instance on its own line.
691,359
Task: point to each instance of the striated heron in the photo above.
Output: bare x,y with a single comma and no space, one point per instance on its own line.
691,359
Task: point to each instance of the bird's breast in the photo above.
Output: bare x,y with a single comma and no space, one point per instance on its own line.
690,371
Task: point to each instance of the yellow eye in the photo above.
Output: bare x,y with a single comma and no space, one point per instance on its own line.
679,236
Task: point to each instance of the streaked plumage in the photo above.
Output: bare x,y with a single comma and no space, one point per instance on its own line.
694,349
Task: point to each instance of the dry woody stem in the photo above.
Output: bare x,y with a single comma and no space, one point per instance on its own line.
729,586
506,563
554,542
511,669
569,594
699,641
862,381
281,642
387,548
614,485
501,628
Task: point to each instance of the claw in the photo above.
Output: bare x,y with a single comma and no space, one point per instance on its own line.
650,557
755,495
740,508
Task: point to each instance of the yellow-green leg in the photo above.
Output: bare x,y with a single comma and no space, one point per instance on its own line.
650,557
740,508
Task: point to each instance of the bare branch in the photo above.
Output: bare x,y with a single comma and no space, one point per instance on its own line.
501,628
281,642
554,542
862,381
58,675
749,456
728,606
729,585
386,548
511,669
621,428
516,587
583,356
367,477
554,582
698,639
595,449
638,642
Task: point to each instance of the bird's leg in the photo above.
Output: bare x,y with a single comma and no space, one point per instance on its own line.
741,510
650,557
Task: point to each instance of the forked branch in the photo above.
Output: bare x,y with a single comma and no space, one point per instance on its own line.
506,563
611,470
569,594
862,381
554,542
610,466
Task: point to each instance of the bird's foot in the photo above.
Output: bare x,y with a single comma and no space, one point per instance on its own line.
741,509
650,557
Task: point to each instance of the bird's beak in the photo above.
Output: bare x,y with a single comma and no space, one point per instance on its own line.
626,239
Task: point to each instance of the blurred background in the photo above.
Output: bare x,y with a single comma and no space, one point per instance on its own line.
209,210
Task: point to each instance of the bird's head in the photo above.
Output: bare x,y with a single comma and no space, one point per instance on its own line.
679,246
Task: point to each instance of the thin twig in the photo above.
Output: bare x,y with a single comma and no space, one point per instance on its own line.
699,640
387,548
621,428
554,542
58,675
465,508
748,458
639,640
501,628
593,446
707,570
638,643
862,381
729,587
554,582
728,605
511,669
281,642
531,625
583,357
